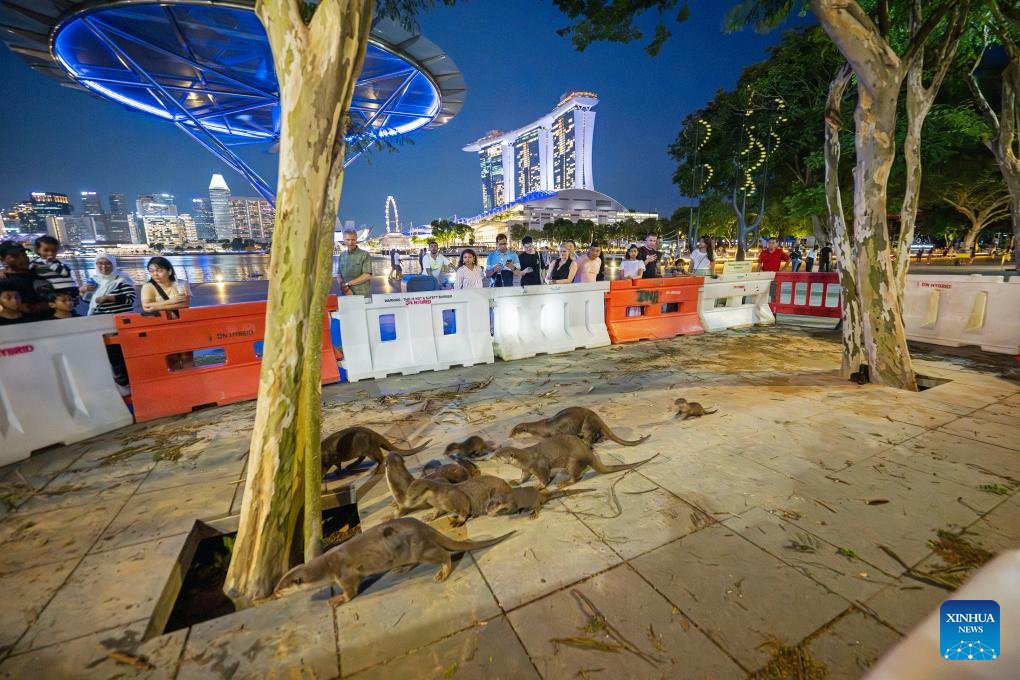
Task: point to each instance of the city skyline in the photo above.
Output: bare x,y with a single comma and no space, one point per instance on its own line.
51,141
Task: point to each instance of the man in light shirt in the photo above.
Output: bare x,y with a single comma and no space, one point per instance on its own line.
501,264
434,263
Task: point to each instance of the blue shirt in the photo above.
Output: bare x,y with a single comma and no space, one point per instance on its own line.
505,276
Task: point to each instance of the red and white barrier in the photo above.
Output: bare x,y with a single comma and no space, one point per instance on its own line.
409,333
954,311
812,299
56,385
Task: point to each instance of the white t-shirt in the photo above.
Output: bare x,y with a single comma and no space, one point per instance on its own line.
469,278
433,266
631,268
699,260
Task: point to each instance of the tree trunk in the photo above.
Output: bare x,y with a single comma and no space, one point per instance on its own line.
853,343
317,67
918,104
818,227
1013,183
885,339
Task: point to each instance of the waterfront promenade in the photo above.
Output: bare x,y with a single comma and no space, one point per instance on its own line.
759,537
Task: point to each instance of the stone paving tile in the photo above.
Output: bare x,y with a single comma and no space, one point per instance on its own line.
648,515
42,467
987,431
906,604
852,645
718,483
167,512
963,452
207,461
291,637
488,651
74,488
402,612
542,556
88,657
26,593
1004,520
967,473
854,518
54,536
1000,412
847,576
969,397
107,589
671,645
738,594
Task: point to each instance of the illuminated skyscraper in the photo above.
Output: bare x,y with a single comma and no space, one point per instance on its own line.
201,211
119,221
92,207
46,204
219,200
253,218
71,230
551,154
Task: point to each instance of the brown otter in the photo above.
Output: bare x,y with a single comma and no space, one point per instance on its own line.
561,452
530,498
472,447
358,443
577,421
691,409
460,470
462,501
390,545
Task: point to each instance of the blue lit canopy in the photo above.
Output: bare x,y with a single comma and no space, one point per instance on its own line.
206,66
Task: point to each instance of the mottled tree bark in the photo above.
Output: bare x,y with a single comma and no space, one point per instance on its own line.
743,228
317,65
920,98
853,342
880,73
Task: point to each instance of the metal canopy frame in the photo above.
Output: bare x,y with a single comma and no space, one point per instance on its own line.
206,66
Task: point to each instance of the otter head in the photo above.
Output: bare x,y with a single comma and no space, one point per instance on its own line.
680,401
505,454
452,448
520,428
296,579
500,505
396,461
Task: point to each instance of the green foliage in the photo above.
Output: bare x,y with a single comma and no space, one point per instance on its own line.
445,232
616,21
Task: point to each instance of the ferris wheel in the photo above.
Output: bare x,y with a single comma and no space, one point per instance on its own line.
390,201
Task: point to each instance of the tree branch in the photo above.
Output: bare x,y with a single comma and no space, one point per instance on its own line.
859,40
975,87
919,38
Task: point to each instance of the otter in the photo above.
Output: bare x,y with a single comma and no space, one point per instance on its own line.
390,545
472,447
358,443
460,470
530,498
561,452
462,501
690,409
574,420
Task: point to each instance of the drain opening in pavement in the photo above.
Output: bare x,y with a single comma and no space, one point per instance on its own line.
201,595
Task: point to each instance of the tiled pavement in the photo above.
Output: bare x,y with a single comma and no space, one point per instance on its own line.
755,528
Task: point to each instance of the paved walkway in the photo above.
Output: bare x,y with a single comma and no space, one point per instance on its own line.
760,536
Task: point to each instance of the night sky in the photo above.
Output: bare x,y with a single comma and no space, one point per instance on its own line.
56,139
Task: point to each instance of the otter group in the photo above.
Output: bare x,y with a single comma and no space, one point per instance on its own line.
458,489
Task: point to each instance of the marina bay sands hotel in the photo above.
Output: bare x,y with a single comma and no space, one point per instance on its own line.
542,171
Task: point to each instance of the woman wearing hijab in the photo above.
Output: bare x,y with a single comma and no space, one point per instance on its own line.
109,291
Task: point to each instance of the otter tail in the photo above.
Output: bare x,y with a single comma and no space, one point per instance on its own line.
386,444
599,466
463,546
467,465
612,435
708,413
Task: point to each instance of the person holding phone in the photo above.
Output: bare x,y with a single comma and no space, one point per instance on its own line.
650,255
531,263
501,264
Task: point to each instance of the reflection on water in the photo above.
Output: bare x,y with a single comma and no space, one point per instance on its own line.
213,268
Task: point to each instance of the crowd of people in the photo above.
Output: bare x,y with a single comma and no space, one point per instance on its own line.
42,288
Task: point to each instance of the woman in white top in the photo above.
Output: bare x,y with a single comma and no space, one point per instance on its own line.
703,259
631,267
469,274
589,265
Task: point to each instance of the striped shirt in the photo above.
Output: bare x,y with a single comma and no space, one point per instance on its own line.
124,302
55,273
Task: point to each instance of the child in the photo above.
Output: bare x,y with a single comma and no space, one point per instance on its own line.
46,265
62,304
10,304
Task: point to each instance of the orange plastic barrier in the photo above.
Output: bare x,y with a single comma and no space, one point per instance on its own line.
653,309
209,355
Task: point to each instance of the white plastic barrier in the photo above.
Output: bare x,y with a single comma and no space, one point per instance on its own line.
56,385
736,301
964,310
548,319
413,332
